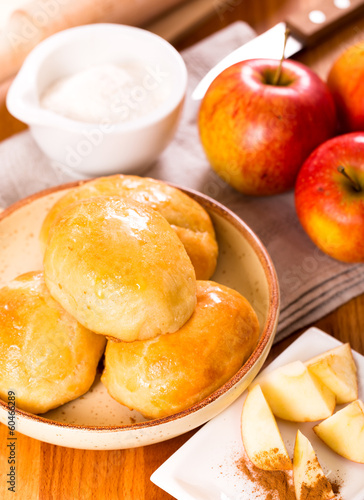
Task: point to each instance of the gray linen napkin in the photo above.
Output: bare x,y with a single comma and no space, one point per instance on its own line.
312,284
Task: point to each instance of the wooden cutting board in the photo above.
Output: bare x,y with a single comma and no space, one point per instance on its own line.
8,124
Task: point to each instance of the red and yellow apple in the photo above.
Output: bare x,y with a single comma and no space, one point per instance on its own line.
346,82
256,133
329,197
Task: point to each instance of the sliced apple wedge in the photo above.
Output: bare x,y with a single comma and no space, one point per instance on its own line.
262,440
308,477
343,432
295,394
336,368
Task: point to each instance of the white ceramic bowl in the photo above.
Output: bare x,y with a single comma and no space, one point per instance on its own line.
101,148
95,420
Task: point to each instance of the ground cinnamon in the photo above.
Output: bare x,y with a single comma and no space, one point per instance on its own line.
278,485
272,459
321,489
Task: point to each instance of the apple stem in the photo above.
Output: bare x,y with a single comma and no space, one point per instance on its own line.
279,69
356,186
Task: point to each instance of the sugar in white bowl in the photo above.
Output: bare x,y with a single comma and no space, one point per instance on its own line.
112,93
101,98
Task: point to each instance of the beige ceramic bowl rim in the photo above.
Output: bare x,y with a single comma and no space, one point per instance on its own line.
266,336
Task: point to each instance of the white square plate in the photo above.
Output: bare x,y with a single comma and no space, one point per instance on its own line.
205,467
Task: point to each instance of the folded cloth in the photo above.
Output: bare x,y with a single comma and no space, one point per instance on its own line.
311,283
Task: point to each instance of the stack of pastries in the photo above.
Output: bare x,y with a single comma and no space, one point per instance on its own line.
128,263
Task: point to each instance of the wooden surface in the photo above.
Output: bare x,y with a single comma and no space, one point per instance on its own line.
49,472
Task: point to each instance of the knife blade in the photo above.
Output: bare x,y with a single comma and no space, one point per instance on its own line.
306,28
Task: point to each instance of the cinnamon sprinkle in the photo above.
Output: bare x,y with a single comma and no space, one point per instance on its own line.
273,459
320,490
278,485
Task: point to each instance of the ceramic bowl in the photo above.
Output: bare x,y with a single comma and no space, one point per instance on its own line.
104,147
95,420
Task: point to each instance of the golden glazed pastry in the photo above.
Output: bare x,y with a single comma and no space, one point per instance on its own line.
119,268
187,217
165,375
46,357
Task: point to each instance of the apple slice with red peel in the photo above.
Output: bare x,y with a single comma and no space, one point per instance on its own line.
308,477
336,368
295,394
343,432
262,440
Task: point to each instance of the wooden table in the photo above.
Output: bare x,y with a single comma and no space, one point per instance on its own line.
50,472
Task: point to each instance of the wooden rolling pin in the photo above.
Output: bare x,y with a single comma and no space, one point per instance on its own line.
38,19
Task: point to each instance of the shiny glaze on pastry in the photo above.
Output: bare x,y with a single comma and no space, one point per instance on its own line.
187,217
119,268
46,357
170,373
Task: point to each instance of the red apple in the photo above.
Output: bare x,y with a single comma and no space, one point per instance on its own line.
346,82
329,197
256,133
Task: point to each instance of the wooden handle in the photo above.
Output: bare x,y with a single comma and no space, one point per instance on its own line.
312,24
